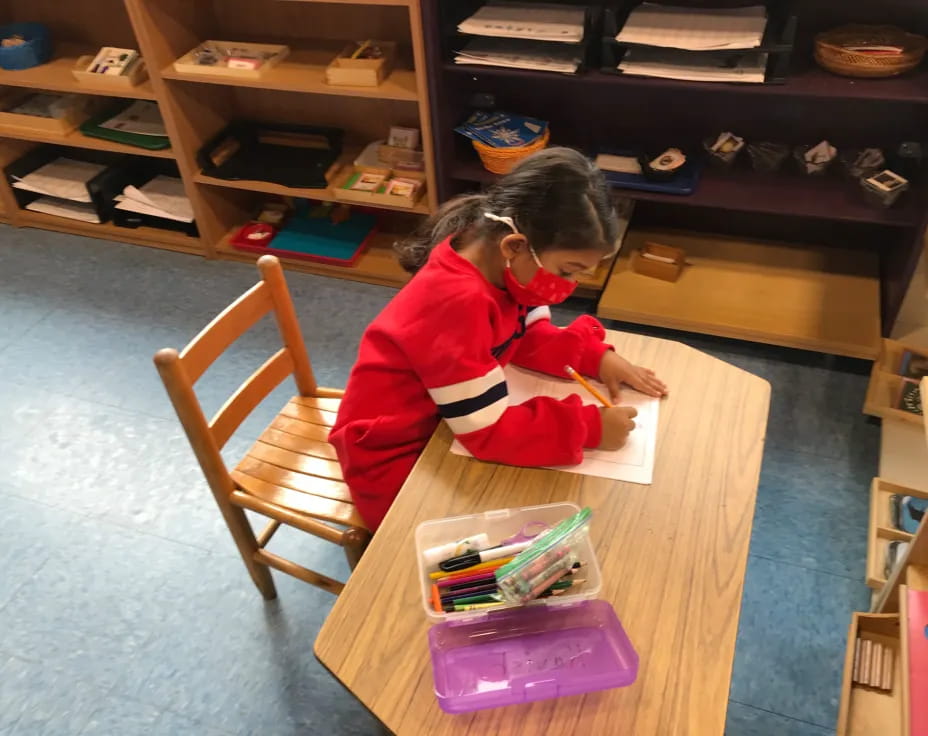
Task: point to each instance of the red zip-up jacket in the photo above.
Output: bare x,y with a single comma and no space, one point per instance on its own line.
436,352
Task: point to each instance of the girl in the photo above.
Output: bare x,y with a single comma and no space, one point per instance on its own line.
490,266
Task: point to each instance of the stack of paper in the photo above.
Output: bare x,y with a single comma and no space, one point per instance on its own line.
62,179
142,117
633,463
163,197
543,57
537,21
695,29
708,67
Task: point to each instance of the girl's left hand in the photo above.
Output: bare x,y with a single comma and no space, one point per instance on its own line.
614,370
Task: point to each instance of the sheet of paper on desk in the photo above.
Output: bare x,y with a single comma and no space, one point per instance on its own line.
633,463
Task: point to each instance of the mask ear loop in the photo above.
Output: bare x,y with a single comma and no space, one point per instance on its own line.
506,220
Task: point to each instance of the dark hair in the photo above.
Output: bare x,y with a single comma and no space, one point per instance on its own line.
557,198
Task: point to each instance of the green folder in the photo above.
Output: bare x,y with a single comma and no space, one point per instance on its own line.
93,128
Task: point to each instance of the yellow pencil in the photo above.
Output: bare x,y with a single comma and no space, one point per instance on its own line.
586,384
492,564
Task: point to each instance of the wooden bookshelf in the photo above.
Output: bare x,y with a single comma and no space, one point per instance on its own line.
810,297
196,107
631,113
881,529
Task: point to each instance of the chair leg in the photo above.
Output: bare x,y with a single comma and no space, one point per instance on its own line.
247,545
356,541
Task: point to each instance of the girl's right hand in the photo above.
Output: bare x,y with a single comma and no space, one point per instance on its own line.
617,423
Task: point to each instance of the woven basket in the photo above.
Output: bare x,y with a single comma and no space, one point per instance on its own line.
832,54
502,160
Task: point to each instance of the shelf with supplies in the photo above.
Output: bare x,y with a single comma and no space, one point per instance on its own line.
303,70
76,139
58,76
377,265
801,296
893,378
811,81
882,530
148,236
742,190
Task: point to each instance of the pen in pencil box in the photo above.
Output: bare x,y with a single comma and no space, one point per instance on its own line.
483,566
494,553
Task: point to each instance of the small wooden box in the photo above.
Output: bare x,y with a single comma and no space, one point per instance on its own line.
378,197
76,113
348,72
668,268
187,62
138,73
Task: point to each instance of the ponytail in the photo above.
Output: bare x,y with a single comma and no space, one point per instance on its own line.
556,197
455,216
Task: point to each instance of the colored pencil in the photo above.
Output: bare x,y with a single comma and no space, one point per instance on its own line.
588,386
492,565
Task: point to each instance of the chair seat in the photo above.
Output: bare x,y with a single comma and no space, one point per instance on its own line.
292,465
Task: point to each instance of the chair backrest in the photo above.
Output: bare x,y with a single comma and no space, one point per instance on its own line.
181,371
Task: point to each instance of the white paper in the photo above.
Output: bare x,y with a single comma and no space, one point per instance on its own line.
71,210
142,117
633,463
164,195
705,67
695,29
519,55
64,178
539,21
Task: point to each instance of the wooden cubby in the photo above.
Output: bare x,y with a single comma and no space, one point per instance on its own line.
866,711
197,106
881,530
885,384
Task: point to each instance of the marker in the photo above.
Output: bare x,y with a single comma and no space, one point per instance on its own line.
475,558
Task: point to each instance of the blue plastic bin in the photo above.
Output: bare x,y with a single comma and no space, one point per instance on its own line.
37,49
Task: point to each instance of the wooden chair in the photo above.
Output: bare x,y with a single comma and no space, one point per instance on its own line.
291,474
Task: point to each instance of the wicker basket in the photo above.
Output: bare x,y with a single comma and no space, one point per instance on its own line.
832,54
502,160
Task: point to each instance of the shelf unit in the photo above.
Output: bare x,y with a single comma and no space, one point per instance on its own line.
881,530
195,106
596,111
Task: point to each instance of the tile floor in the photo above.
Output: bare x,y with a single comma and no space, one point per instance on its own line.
123,607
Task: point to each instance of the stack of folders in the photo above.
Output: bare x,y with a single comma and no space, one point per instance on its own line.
162,198
63,186
519,35
695,44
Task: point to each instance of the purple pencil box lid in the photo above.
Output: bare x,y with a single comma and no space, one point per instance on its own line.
532,653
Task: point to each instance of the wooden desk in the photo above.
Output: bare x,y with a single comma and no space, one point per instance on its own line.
673,556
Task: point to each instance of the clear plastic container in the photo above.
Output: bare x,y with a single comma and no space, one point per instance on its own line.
548,648
500,525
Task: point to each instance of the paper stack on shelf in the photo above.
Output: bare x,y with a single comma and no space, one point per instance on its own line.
695,44
520,55
63,186
537,21
517,35
669,64
695,29
162,197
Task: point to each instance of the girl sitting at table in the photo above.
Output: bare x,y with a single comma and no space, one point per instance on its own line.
486,268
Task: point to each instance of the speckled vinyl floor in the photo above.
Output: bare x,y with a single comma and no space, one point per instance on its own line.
124,608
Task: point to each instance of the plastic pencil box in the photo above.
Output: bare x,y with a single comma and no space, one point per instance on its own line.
524,649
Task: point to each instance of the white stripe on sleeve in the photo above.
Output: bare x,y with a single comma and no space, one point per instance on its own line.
536,314
480,419
467,389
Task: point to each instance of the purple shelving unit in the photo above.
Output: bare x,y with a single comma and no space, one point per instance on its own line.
594,110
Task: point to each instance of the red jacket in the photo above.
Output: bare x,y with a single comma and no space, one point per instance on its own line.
437,351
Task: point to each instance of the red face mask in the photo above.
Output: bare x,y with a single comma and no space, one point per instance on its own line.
544,288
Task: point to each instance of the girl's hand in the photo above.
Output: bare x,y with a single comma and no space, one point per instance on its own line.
614,370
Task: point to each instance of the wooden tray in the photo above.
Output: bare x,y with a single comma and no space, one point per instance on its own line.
76,114
187,64
377,198
866,711
881,530
347,72
137,74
